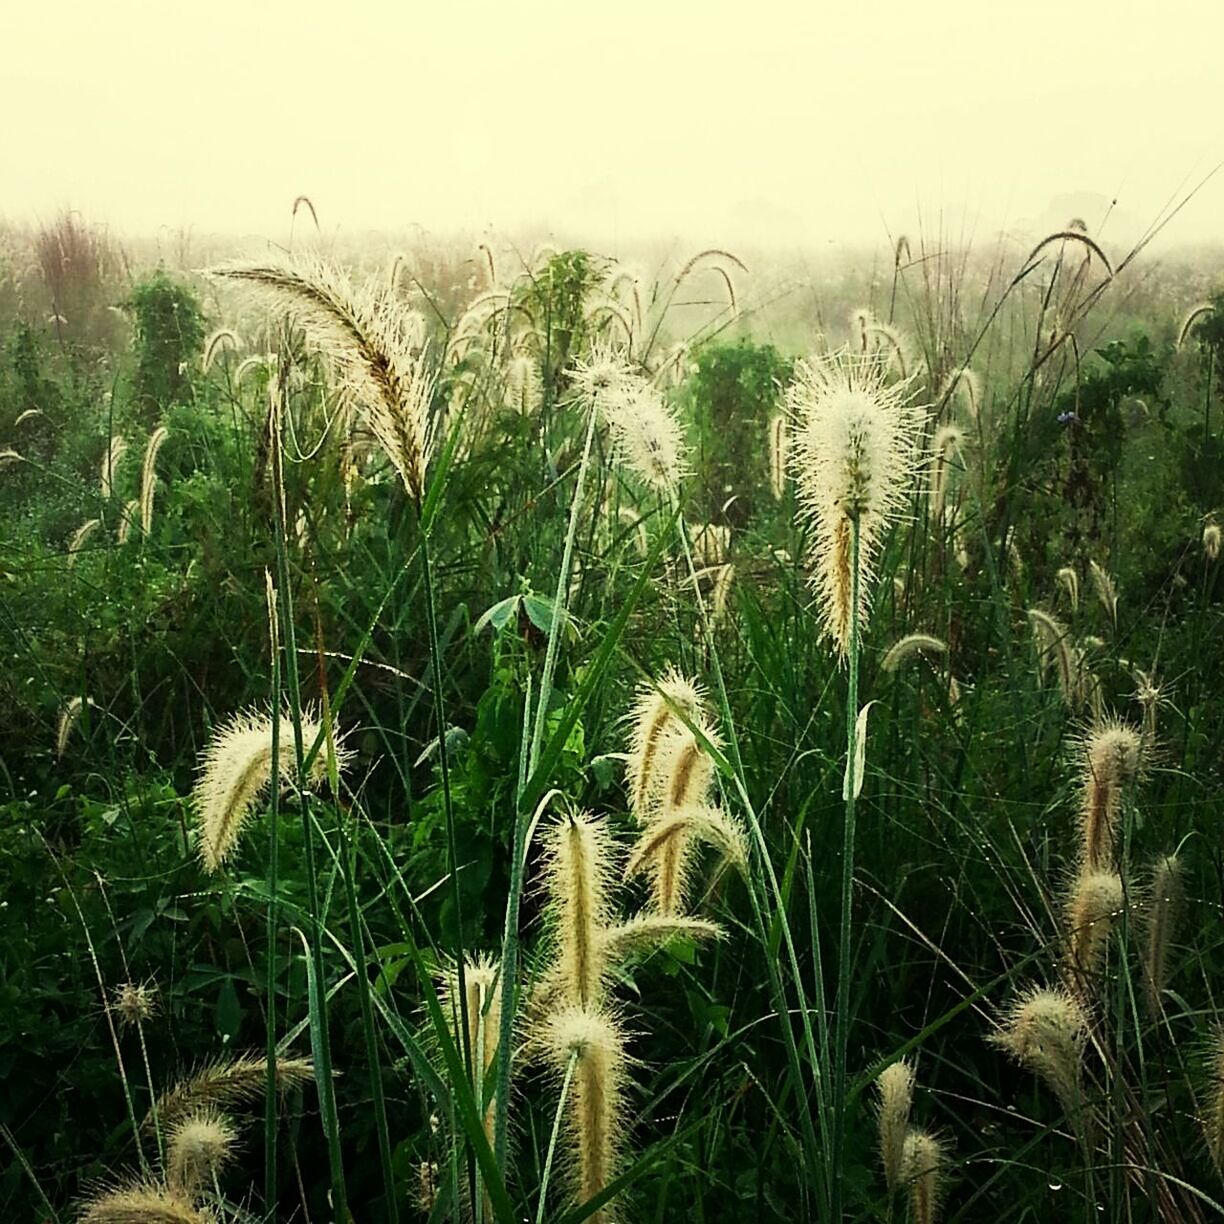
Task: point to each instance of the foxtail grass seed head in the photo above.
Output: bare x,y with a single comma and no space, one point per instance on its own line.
895,1089
709,825
143,1202
646,435
777,456
362,332
967,386
69,716
220,340
646,932
1094,902
1045,1032
711,543
148,476
594,1119
913,645
80,537
853,460
651,719
922,1174
524,387
579,865
1213,1118
1106,592
129,518
946,446
1164,904
234,773
1211,542
1055,649
1151,697
228,1083
1068,579
110,465
1113,757
198,1147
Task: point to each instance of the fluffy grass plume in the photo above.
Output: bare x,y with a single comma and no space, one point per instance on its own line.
110,463
702,823
79,538
524,387
236,769
227,1083
777,456
143,1202
922,1174
1068,579
1213,1118
69,716
651,718
1045,1032
646,435
646,932
594,1118
911,646
148,477
198,1147
362,332
1106,592
128,518
1164,903
1094,901
853,460
134,1002
895,1094
948,443
1112,757
1211,541
1055,649
578,869
221,339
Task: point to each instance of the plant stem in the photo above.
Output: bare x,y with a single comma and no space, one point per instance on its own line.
552,1141
847,884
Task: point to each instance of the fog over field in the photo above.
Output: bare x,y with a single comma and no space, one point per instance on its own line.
779,124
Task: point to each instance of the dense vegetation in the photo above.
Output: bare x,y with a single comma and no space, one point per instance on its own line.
202,515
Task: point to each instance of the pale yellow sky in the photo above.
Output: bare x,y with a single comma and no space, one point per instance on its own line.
755,121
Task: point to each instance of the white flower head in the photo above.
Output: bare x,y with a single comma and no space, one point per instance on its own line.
854,455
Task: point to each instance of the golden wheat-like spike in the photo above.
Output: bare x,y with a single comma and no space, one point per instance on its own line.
922,1173
80,536
148,476
853,458
1091,907
198,1147
227,1083
222,338
652,717
1045,1032
236,768
1212,536
1213,1118
702,823
591,1041
1106,592
579,863
1191,319
646,932
362,332
110,462
1112,756
911,646
142,1202
895,1090
1164,904
69,716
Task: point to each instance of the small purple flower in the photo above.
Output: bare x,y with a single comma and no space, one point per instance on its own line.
1068,418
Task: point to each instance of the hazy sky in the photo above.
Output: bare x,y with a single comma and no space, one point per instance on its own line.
749,121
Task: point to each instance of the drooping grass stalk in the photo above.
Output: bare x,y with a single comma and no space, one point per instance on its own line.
842,1027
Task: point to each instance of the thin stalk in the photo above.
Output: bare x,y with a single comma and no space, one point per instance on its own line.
560,600
843,951
273,884
552,1141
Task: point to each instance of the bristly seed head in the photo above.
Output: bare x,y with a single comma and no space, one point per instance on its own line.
198,1147
1045,1032
895,1086
853,457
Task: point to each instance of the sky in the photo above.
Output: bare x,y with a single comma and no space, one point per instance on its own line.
760,121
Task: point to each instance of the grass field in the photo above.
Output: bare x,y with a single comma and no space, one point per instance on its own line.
499,734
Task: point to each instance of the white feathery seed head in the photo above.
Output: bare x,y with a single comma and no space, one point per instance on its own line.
853,456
